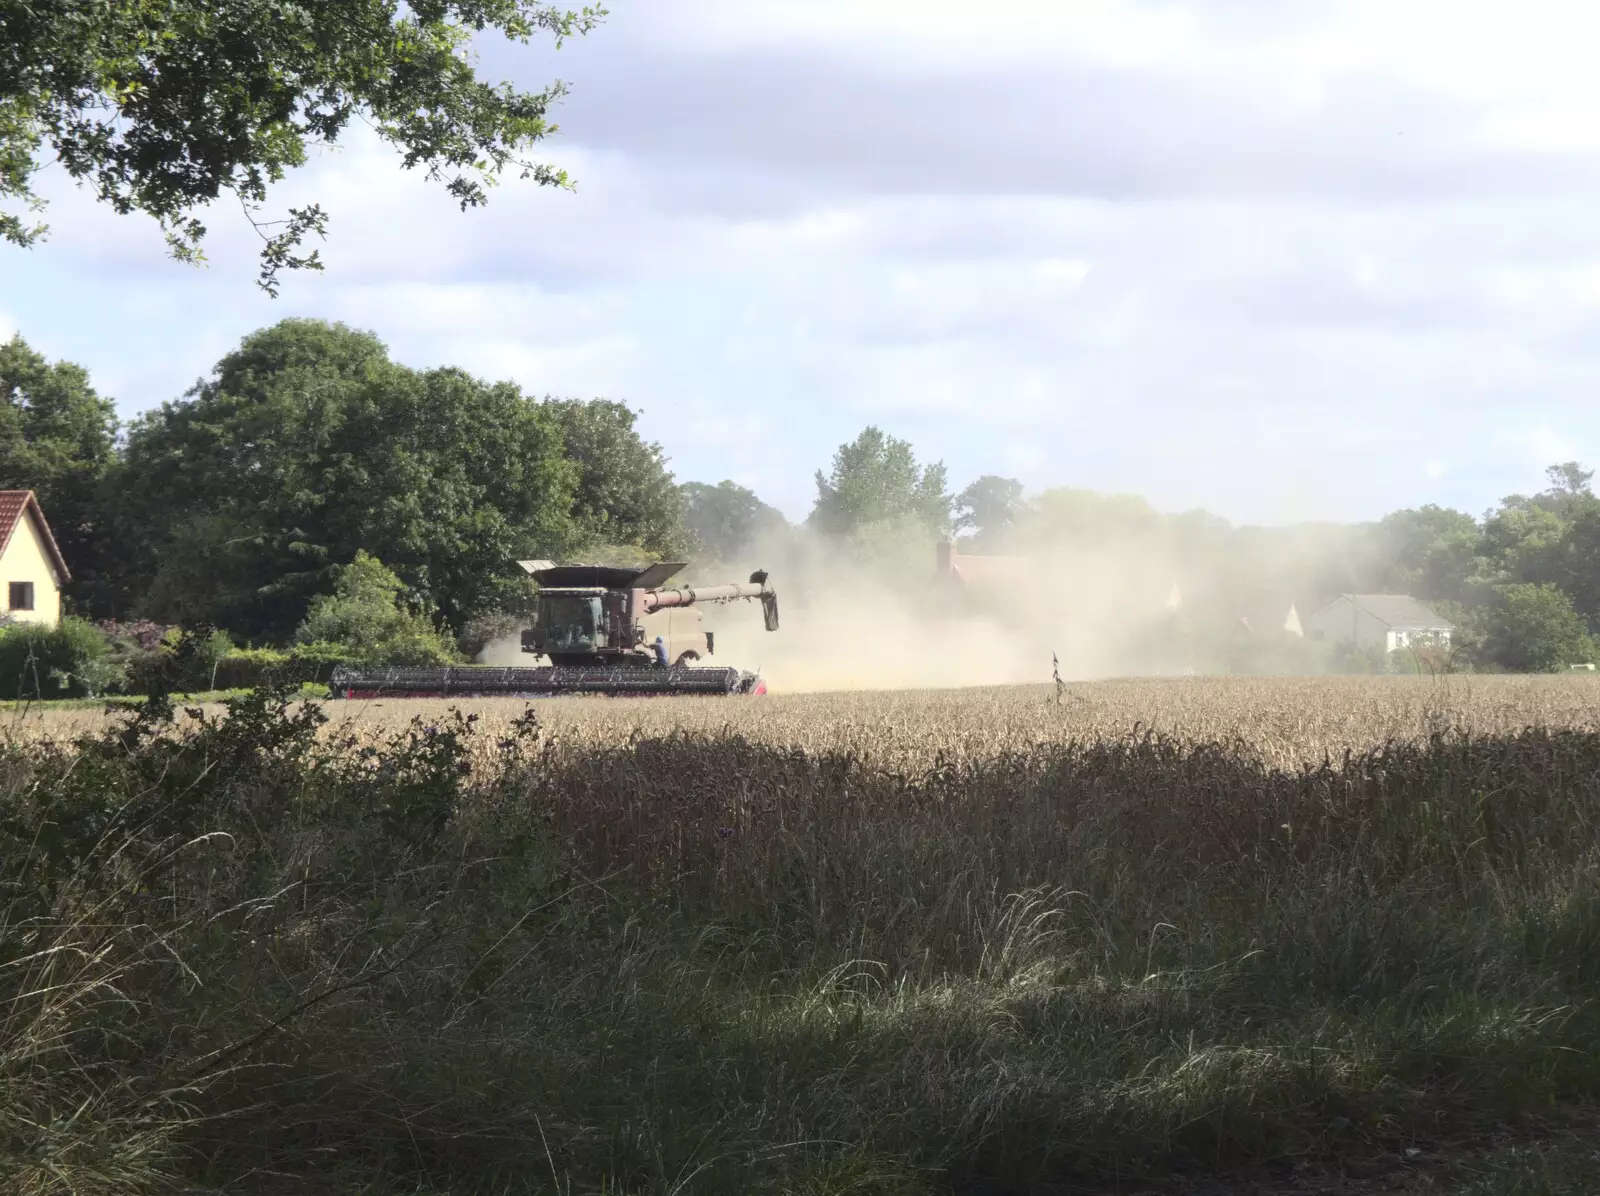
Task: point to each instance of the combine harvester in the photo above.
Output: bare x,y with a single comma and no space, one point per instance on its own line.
604,630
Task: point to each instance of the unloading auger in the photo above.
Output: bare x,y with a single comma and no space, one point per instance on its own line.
604,631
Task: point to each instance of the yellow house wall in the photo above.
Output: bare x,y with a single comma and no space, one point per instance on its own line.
26,559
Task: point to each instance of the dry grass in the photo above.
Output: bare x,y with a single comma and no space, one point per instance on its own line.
919,942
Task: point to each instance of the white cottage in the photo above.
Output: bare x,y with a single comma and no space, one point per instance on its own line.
1385,621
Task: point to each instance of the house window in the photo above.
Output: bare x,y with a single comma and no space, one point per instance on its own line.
21,596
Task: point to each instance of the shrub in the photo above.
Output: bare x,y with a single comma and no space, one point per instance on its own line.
137,635
1276,653
69,660
184,661
366,622
1360,662
137,651
1535,629
254,667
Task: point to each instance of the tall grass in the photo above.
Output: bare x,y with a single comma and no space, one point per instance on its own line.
248,954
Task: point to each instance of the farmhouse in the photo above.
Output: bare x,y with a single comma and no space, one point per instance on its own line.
994,574
1385,621
31,569
1270,615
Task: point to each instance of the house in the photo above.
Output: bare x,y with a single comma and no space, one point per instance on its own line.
1383,621
1270,616
32,571
992,574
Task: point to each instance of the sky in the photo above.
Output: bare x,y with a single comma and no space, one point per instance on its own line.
1305,259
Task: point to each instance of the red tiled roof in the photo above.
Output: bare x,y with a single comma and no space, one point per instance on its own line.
13,505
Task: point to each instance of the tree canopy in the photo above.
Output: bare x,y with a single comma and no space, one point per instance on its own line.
875,479
163,105
1429,550
264,500
58,438
625,495
728,519
988,507
307,445
1533,628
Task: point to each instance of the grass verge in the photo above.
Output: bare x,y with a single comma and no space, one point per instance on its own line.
240,954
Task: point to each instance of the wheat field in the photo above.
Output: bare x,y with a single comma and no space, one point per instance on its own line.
1136,936
1281,721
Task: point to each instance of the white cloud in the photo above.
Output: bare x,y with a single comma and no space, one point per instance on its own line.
1546,446
1270,259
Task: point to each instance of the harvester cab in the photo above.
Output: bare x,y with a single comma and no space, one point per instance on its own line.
604,630
587,614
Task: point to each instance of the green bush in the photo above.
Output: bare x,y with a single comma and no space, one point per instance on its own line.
138,649
71,660
201,661
215,666
365,621
1535,629
181,661
250,668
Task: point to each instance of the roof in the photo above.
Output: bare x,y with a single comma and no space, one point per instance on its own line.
1002,571
13,505
1401,611
607,577
1269,614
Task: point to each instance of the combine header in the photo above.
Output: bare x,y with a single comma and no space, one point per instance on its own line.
604,630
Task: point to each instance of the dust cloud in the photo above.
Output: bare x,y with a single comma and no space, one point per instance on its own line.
1181,600
505,653
845,625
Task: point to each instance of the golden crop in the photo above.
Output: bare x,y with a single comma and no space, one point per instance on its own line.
931,936
1281,721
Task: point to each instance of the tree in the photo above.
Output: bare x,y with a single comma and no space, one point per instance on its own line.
164,106
1064,516
875,480
1552,538
727,519
366,617
625,495
1431,552
988,507
1579,559
1522,541
1534,629
58,438
1569,482
307,445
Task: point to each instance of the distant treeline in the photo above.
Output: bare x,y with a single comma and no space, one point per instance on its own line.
238,504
